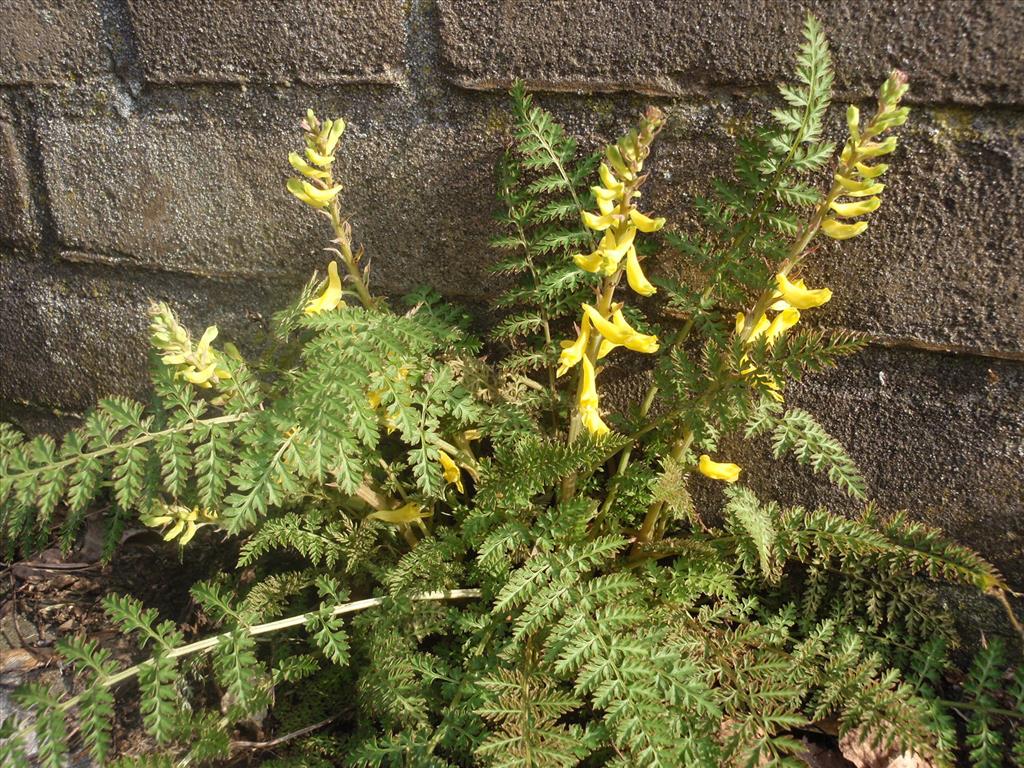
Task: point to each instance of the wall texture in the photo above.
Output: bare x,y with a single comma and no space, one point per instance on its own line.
142,156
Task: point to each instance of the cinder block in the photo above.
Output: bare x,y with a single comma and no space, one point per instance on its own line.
71,334
50,41
278,41
16,224
958,50
939,436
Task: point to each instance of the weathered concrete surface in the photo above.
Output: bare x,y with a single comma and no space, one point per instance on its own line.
278,41
959,50
16,226
79,333
50,41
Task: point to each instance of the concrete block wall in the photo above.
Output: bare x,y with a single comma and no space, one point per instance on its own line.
143,156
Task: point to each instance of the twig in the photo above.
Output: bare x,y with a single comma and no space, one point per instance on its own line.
254,745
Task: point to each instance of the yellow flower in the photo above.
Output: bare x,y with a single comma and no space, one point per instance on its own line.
598,223
306,169
373,398
312,195
635,275
331,297
619,332
854,188
609,181
871,171
452,473
573,351
185,521
800,297
728,473
591,419
781,323
589,262
760,326
839,231
858,208
587,404
645,223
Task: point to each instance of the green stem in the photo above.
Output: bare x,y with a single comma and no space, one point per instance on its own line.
140,440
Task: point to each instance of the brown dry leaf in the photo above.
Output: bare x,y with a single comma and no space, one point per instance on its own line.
859,751
18,661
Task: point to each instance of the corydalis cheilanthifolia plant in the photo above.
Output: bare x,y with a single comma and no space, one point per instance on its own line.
475,564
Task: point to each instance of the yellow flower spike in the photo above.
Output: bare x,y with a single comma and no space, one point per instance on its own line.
331,297
573,351
597,223
305,168
839,231
452,473
727,473
859,208
799,296
324,161
646,223
589,262
781,323
871,171
635,275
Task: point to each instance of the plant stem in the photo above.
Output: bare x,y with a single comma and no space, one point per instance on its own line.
209,643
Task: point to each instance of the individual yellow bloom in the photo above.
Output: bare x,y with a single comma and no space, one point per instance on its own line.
618,331
200,377
760,326
781,323
317,159
306,169
635,275
589,262
605,194
645,223
858,208
855,188
337,127
331,297
871,171
373,399
840,231
598,223
609,181
606,206
588,385
877,149
799,296
403,515
312,195
452,473
591,419
728,473
573,351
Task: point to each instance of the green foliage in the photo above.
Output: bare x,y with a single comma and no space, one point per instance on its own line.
438,561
